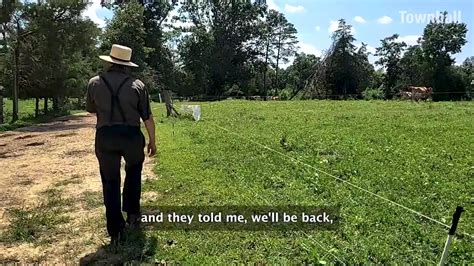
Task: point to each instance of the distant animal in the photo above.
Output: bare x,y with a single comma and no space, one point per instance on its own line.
255,98
417,93
406,95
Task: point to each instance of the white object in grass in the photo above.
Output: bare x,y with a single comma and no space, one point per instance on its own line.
194,110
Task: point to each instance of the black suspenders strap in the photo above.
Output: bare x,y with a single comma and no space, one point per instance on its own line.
122,114
114,97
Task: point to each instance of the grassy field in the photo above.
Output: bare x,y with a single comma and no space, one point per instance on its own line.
419,155
26,114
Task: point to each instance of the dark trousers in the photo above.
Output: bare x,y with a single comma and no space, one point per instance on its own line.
111,144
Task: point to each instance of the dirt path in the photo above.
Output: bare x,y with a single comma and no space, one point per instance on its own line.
50,192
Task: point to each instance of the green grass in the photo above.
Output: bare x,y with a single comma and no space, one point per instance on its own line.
26,114
419,155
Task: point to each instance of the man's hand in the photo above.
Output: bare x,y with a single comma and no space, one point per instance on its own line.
151,149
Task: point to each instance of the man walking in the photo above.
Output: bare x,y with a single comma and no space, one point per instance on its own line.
119,100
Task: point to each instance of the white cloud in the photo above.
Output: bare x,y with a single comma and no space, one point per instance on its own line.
317,28
409,39
359,19
385,20
272,5
294,9
309,49
334,24
91,13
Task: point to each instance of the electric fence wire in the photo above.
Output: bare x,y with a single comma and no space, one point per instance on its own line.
342,180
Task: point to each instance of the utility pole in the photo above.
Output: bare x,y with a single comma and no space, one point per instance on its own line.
15,85
16,58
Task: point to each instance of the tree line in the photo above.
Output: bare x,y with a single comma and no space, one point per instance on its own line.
215,49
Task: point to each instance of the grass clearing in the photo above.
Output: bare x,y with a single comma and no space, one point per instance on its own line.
419,155
26,114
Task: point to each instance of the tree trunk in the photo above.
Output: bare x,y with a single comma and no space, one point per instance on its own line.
55,104
170,111
45,106
265,73
276,70
1,105
37,106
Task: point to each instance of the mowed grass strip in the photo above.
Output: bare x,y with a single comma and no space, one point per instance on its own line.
417,154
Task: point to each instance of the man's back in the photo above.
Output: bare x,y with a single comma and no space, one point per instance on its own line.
132,101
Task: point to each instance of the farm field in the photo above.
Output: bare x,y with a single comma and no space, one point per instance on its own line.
418,155
240,153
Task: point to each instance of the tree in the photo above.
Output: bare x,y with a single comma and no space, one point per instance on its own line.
390,54
195,51
467,69
126,28
364,69
299,72
11,17
441,40
340,74
228,29
57,60
415,70
283,40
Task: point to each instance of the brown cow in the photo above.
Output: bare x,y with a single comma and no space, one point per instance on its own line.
418,93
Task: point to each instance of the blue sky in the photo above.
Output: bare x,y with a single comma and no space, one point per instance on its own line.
372,20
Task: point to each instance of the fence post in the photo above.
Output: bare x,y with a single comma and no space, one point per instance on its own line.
452,231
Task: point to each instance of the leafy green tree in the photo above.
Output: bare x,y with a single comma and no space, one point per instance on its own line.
300,71
365,70
342,72
282,39
43,38
467,69
126,28
415,70
59,52
227,29
196,51
390,54
441,41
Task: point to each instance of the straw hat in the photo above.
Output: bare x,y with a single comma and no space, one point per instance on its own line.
119,54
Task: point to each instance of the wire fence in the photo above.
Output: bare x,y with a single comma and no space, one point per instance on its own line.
466,95
345,182
350,184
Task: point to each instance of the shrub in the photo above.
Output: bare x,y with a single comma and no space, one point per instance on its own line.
284,95
373,94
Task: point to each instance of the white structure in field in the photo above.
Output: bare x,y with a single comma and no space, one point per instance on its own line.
194,110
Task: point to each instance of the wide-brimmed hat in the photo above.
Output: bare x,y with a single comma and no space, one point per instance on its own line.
119,54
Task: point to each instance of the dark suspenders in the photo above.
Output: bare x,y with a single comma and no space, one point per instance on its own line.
114,98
